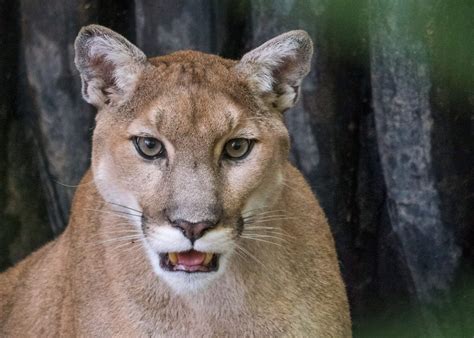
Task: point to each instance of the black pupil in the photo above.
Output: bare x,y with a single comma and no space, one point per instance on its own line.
236,145
150,143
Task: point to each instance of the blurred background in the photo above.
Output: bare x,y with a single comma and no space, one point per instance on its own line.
383,133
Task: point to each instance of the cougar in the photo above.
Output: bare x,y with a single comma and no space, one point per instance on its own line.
191,220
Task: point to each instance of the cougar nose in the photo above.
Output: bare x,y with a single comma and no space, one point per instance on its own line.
193,231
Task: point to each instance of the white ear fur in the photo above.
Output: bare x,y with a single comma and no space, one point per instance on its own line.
109,65
276,69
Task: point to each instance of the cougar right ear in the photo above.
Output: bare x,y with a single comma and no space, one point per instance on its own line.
109,64
277,68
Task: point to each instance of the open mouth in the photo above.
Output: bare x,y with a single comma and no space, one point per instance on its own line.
189,261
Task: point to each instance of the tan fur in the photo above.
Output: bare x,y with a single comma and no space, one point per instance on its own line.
85,284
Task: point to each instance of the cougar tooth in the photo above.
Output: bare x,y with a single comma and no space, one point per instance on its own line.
208,258
173,257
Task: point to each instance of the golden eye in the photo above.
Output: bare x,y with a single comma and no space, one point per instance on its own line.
149,147
238,148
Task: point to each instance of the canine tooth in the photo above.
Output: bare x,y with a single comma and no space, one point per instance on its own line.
208,258
173,257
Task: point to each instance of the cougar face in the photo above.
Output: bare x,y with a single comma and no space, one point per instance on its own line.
191,221
189,147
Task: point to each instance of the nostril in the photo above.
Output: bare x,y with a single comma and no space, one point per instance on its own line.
201,227
193,231
166,214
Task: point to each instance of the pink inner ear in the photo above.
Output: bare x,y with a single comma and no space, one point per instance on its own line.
287,71
108,63
278,67
102,68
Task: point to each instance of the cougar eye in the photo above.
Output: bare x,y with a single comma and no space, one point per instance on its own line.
237,148
149,147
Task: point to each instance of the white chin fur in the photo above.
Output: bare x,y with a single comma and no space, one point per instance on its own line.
166,239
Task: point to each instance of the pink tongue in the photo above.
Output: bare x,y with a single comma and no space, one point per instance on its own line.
191,258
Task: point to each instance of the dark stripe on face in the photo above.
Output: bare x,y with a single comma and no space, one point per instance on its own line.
240,225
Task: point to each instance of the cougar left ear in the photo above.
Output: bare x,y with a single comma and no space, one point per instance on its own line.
277,68
109,64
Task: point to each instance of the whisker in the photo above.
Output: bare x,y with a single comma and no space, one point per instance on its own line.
272,235
115,231
270,232
262,240
248,254
123,231
240,255
123,238
126,213
73,185
270,220
244,251
124,206
263,227
116,213
118,239
262,208
261,213
123,246
264,214
121,227
130,249
274,217
119,224
257,209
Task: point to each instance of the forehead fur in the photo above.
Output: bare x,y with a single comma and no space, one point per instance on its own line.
192,67
192,73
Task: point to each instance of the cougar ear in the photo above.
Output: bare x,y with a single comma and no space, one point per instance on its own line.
277,68
109,65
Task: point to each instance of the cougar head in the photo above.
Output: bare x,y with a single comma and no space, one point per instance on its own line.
191,145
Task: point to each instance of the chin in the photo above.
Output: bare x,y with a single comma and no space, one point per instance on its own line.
184,283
